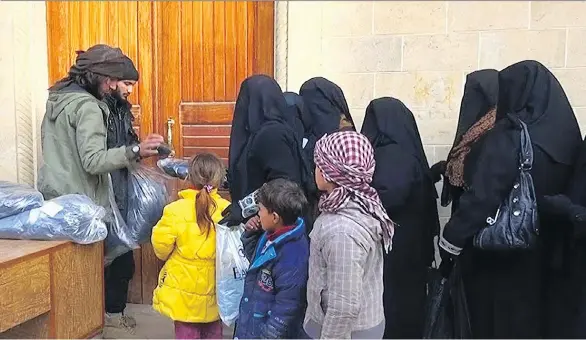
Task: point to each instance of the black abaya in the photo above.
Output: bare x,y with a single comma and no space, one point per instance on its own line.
505,290
404,184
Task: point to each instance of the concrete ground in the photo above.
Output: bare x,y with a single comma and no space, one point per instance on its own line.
152,325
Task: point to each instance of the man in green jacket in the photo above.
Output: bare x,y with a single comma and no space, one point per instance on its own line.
76,158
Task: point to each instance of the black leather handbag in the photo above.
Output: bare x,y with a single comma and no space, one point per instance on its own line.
516,223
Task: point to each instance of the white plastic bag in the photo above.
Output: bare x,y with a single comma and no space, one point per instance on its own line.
231,268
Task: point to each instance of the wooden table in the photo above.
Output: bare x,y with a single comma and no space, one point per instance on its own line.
51,289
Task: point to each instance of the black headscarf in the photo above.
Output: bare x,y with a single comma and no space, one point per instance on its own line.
530,91
260,104
387,121
325,102
296,113
480,94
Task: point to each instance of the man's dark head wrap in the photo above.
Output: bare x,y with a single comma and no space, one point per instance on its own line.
129,71
102,60
106,61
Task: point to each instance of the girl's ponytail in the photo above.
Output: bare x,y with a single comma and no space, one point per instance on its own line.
204,208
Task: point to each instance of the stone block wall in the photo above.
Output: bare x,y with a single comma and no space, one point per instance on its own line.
421,51
23,88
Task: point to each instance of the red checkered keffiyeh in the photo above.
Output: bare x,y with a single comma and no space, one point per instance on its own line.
347,159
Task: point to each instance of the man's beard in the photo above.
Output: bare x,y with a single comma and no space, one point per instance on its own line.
119,98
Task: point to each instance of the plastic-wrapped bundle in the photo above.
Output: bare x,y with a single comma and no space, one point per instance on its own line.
173,167
231,268
179,168
147,197
17,198
119,240
66,218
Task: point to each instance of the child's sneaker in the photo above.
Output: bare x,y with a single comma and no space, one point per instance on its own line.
119,326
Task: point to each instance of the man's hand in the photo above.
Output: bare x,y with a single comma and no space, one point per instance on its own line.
559,206
226,211
438,170
447,262
232,215
562,206
148,147
253,224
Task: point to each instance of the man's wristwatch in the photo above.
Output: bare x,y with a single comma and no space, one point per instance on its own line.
136,151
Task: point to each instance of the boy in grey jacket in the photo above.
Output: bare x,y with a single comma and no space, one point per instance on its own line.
345,286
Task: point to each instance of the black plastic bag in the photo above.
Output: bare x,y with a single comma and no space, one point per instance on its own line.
437,297
120,239
147,197
447,310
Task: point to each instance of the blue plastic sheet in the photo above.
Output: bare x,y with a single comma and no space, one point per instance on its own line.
17,198
66,218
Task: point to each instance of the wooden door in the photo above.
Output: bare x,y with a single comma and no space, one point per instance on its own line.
192,57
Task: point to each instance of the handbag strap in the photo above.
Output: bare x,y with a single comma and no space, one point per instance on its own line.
526,152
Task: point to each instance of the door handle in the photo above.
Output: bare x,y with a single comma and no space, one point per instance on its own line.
170,124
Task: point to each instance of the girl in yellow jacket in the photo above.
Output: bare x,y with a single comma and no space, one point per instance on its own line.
185,238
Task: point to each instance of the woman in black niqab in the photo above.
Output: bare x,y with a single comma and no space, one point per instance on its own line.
325,111
403,181
301,122
480,95
297,115
327,106
505,289
263,145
